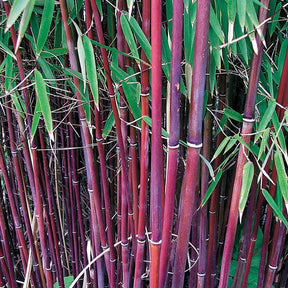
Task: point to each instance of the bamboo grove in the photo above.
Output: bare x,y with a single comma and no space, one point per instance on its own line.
143,143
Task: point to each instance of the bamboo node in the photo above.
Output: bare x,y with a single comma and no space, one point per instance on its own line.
201,274
141,241
75,182
212,212
173,147
14,152
123,107
112,260
156,242
90,190
18,226
145,94
124,244
131,214
193,145
20,246
104,247
36,265
99,139
82,119
133,144
272,267
248,120
2,257
112,95
243,259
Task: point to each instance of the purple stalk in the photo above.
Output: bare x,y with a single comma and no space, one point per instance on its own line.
156,140
174,135
144,154
248,121
194,141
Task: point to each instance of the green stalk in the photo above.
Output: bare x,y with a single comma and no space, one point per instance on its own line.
248,121
194,141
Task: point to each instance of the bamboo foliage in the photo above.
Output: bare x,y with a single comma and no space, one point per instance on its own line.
143,143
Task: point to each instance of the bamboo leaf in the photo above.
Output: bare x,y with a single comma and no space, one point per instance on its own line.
265,137
16,99
54,53
36,118
24,22
8,73
129,35
266,117
210,168
231,144
5,49
233,115
221,147
130,4
16,9
108,125
81,54
275,207
248,174
241,10
44,103
281,174
91,69
211,188
144,43
45,25
215,25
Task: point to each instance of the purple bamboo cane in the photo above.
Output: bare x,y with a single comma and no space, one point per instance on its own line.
194,141
174,134
248,121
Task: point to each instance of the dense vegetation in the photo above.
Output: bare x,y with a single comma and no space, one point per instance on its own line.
143,143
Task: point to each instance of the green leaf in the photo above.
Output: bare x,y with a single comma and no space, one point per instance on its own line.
5,49
231,144
281,174
17,103
221,147
130,6
265,137
266,117
211,188
45,25
275,207
241,10
248,174
81,54
233,115
25,19
144,43
16,9
210,168
36,118
8,73
215,25
67,282
129,35
54,52
108,125
44,102
91,69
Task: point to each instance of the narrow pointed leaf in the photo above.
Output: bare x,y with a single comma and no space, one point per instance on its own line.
264,142
81,54
44,102
5,49
281,174
130,6
25,19
221,147
91,69
248,174
274,206
215,25
16,9
45,25
241,10
211,188
36,118
129,36
210,168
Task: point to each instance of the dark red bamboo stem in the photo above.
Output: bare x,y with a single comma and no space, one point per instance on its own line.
246,131
156,141
194,141
174,134
144,153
